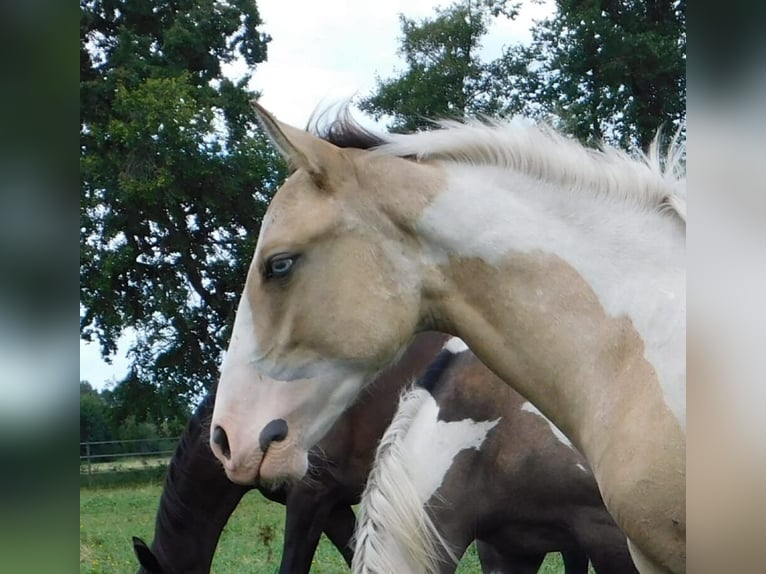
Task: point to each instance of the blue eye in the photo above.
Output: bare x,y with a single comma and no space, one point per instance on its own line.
279,266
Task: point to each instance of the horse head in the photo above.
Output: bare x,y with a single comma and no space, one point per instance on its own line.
308,334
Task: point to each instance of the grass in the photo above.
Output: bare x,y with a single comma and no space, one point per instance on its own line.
251,541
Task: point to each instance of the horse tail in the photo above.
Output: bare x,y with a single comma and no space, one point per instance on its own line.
394,533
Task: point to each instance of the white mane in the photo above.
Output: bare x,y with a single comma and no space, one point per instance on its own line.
540,152
391,513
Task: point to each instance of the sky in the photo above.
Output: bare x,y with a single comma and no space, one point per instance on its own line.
322,53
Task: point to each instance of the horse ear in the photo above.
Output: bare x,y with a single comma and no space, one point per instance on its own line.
302,149
146,557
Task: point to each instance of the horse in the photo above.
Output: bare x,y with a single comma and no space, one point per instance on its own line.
467,458
562,268
197,498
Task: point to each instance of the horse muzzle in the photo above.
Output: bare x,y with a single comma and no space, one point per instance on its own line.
272,458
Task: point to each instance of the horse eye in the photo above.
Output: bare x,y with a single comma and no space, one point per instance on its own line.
279,266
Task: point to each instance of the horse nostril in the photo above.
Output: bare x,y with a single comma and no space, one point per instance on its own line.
220,438
275,430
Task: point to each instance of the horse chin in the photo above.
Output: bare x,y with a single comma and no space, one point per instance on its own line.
242,476
283,466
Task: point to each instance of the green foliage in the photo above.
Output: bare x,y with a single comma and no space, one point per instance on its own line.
134,410
139,409
443,68
94,417
173,182
601,70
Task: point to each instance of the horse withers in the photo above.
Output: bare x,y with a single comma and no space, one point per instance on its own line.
198,498
467,458
562,268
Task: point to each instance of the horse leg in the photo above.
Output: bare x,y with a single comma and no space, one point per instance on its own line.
575,561
340,530
608,558
306,516
494,562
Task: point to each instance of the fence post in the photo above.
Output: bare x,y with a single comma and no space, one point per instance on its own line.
87,455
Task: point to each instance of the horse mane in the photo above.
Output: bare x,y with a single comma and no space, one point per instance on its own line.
433,375
343,130
648,180
390,504
173,510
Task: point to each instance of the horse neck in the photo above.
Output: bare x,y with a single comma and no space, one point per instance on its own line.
196,502
539,281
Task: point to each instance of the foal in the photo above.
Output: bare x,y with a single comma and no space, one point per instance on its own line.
467,458
562,268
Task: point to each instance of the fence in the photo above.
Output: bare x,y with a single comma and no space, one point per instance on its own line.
97,457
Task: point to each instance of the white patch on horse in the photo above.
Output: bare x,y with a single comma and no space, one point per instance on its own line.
455,345
431,445
394,532
632,259
582,468
530,408
243,347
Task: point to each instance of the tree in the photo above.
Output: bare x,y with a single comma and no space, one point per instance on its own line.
444,71
602,70
173,180
137,408
94,419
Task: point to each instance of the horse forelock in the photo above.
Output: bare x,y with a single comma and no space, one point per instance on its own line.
342,130
434,373
649,180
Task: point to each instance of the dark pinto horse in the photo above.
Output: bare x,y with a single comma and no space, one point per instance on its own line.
467,458
198,499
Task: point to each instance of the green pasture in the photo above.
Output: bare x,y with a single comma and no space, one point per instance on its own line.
250,543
